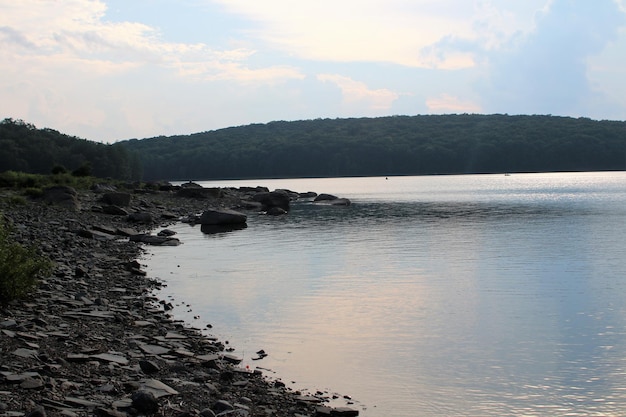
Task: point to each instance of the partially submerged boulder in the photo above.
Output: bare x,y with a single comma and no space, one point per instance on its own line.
331,200
273,199
222,217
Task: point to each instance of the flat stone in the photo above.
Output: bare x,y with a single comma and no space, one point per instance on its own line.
28,336
157,388
31,383
154,349
109,357
77,357
81,402
235,360
96,314
8,333
25,353
8,324
143,323
105,229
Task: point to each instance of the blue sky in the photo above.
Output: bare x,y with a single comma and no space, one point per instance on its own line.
109,70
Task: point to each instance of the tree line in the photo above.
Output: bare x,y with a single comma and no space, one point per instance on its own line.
25,148
395,145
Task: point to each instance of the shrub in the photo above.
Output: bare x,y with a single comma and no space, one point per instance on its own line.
83,171
58,169
17,200
33,192
20,267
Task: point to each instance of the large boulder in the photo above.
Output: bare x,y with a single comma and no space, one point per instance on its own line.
62,196
142,217
116,199
273,199
222,217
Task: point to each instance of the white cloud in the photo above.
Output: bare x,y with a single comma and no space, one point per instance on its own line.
446,103
395,31
355,92
549,69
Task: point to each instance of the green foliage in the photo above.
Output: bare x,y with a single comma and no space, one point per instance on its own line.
83,171
32,184
58,169
20,268
33,192
41,151
398,145
17,200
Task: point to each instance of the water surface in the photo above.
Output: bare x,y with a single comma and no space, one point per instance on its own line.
478,295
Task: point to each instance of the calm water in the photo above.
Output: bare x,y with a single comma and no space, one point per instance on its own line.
481,295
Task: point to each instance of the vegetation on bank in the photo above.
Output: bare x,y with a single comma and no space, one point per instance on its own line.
20,267
398,145
26,148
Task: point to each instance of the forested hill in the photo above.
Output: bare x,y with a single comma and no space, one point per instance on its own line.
397,145
25,148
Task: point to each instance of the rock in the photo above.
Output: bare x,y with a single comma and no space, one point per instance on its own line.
344,412
166,232
222,217
325,197
141,217
116,199
32,383
273,199
168,215
145,402
340,202
157,388
222,406
331,200
155,240
276,211
148,367
199,192
62,196
103,188
207,412
308,194
37,412
114,210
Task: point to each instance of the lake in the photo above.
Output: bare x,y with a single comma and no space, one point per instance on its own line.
473,295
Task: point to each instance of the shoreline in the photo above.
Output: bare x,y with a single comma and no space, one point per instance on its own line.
93,339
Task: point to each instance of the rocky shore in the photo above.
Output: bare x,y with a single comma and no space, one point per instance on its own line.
93,339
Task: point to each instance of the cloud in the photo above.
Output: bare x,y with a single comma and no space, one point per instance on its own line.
394,31
447,103
547,70
357,94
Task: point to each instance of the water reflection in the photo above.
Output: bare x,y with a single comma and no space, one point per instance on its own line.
213,229
511,305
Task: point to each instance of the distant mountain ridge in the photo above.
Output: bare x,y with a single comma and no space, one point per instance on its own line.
394,145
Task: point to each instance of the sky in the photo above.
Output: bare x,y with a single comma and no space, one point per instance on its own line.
108,70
